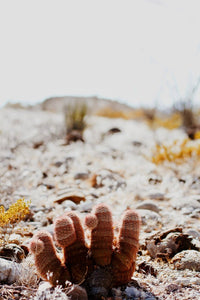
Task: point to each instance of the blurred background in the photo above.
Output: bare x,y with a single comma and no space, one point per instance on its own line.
139,52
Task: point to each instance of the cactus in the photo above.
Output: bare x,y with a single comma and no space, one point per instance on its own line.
101,235
47,261
124,257
97,267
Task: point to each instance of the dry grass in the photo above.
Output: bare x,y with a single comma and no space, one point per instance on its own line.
75,117
170,122
129,114
177,152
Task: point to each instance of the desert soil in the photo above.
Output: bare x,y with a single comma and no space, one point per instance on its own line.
36,164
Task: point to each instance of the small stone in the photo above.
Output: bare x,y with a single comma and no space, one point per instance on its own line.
188,259
12,252
166,244
182,281
149,206
76,197
15,239
149,217
70,205
113,130
81,176
46,291
193,233
172,287
157,196
9,271
38,216
137,144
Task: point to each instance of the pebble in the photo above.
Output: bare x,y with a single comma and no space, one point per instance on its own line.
12,252
157,196
9,271
186,204
69,205
188,259
76,197
15,239
81,176
149,206
45,291
149,218
193,233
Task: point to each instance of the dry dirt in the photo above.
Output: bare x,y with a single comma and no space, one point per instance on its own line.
36,163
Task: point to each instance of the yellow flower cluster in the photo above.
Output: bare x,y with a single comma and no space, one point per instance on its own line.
16,212
176,152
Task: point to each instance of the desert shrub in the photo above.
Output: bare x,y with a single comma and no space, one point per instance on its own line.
109,112
168,121
197,135
75,117
178,151
126,114
8,218
186,111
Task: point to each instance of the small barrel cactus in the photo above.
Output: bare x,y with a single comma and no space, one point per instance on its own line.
97,267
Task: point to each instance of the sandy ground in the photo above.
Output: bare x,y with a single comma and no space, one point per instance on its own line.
35,163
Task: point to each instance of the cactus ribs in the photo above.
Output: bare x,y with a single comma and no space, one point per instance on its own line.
96,267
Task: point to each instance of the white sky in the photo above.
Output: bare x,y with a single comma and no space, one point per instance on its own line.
137,51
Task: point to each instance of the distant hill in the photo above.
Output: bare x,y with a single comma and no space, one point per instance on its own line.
94,104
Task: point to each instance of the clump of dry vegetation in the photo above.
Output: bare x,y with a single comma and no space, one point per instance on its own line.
168,121
8,218
126,114
178,151
75,122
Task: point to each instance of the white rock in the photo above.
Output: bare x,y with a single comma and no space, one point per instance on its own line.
188,259
9,271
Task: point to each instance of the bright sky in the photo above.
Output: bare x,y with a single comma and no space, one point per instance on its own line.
137,51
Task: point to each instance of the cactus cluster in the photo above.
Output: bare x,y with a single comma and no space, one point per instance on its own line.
105,263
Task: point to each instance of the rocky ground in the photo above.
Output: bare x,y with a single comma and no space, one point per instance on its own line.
112,166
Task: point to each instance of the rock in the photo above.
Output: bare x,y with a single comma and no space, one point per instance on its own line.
149,218
188,259
12,252
166,244
81,176
149,206
109,179
73,292
75,197
132,291
9,271
157,196
41,217
113,130
137,144
85,207
146,268
70,205
74,136
182,281
186,204
15,239
193,233
38,216
172,287
47,292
